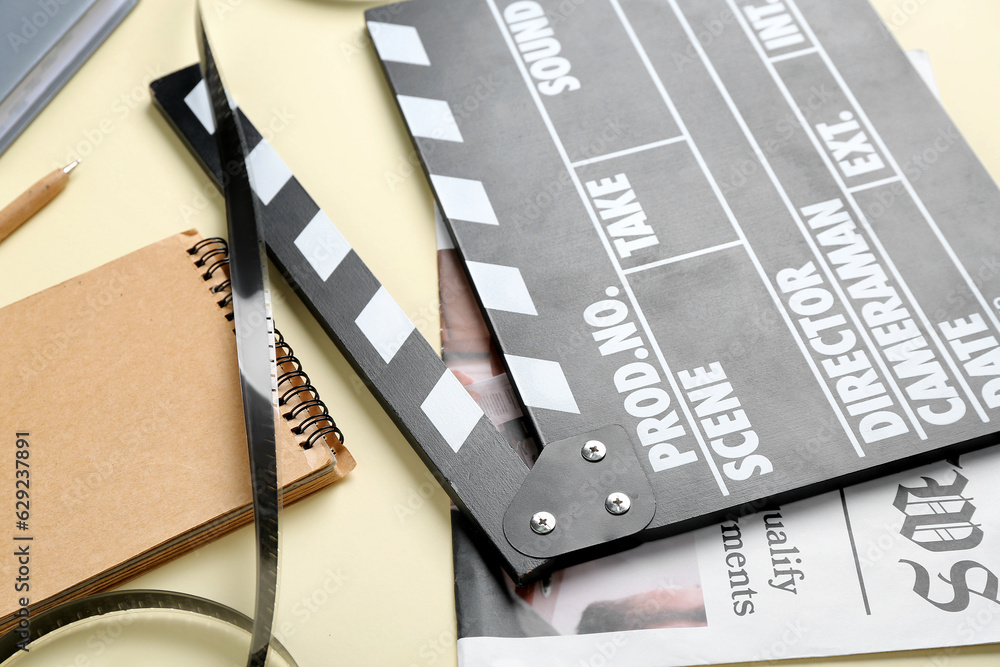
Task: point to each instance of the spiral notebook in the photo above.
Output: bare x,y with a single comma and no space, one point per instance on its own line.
123,426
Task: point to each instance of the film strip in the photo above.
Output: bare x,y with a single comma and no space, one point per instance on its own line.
255,347
116,602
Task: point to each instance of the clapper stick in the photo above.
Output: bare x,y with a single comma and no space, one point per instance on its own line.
456,441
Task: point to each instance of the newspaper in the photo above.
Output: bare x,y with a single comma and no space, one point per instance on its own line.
905,562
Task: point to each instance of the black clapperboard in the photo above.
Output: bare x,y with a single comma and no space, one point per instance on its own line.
736,242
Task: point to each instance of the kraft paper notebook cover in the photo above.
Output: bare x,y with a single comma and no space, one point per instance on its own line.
125,381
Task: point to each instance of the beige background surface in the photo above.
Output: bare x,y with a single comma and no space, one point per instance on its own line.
366,570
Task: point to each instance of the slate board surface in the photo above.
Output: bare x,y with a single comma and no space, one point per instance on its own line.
753,214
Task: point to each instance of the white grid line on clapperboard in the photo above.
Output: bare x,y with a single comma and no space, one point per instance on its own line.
640,315
895,165
918,309
681,258
793,54
874,184
734,110
739,231
628,151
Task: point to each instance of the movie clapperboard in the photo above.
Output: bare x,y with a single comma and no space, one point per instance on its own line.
738,243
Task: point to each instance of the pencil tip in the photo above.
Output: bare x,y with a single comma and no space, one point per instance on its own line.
71,166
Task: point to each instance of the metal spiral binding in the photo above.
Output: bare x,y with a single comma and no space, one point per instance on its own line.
213,253
318,422
216,251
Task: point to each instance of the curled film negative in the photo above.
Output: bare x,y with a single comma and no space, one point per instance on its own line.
124,627
254,347
246,292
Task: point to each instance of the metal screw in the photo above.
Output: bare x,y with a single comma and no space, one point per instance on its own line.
594,451
543,523
617,503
